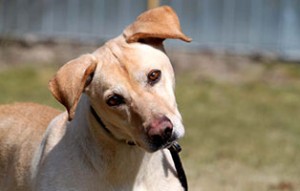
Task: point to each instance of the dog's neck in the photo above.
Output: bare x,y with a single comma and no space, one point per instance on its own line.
106,131
97,130
96,141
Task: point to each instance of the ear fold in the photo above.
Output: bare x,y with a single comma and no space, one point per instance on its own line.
158,23
70,81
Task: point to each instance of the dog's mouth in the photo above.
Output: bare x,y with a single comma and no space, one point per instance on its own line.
157,142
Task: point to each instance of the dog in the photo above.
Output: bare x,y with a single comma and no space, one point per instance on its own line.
121,116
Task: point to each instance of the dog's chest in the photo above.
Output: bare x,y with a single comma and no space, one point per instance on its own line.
155,172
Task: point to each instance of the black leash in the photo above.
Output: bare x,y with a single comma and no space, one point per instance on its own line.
174,150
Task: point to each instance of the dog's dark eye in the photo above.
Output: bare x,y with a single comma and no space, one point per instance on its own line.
154,76
115,100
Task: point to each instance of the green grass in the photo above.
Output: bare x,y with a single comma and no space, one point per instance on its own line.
239,136
27,84
242,136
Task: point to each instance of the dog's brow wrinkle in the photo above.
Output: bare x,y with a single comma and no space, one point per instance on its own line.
121,63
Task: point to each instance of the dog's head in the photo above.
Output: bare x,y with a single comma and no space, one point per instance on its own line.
129,82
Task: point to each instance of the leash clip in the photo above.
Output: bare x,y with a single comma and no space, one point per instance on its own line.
175,147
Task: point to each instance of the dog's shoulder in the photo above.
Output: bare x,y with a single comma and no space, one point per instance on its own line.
26,115
22,126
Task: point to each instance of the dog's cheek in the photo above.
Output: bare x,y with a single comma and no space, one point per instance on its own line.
165,89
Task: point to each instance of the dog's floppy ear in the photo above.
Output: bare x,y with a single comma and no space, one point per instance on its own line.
71,80
158,23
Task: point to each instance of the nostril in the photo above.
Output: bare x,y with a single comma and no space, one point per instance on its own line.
168,132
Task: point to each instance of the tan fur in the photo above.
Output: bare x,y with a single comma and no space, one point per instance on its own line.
67,88
156,23
42,150
21,130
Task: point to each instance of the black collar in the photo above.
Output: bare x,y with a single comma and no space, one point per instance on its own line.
174,150
108,132
99,120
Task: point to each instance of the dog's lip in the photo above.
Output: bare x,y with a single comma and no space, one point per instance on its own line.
167,144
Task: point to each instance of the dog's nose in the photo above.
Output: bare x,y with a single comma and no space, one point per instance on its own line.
160,129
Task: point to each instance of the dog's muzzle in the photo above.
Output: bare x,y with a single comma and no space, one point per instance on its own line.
160,133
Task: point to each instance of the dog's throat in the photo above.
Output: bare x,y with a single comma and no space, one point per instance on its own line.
107,131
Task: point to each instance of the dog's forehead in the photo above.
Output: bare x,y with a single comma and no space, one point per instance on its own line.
132,62
135,56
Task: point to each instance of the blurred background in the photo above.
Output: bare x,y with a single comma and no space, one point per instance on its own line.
238,82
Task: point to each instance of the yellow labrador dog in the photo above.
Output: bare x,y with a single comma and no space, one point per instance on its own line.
121,116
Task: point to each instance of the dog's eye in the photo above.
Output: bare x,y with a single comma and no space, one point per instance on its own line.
154,76
115,100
